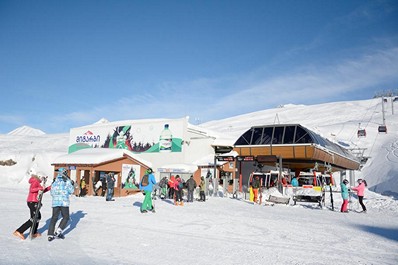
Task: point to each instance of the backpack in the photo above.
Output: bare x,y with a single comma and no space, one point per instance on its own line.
180,185
145,180
163,182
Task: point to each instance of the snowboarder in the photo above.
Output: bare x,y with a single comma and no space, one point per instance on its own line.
344,195
32,201
61,189
146,185
360,189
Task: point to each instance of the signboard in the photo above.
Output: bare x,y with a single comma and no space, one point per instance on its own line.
245,158
269,158
225,158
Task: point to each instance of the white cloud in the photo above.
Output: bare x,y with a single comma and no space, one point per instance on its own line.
206,99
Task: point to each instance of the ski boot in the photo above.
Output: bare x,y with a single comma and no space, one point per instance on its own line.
58,234
18,234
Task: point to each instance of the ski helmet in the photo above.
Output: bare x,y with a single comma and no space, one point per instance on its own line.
345,181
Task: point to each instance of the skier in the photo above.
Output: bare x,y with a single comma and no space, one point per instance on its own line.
146,185
178,186
360,189
344,195
61,189
171,185
256,187
202,186
32,201
110,184
294,181
82,187
163,187
191,185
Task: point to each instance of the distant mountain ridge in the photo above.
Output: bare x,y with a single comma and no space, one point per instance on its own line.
26,131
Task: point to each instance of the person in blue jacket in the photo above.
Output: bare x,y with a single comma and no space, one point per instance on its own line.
344,195
294,182
61,189
146,185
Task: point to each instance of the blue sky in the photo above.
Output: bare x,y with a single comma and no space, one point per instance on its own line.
66,64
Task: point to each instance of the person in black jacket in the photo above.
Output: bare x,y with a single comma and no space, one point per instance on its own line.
110,184
191,185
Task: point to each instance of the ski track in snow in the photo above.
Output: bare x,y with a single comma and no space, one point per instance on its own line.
392,152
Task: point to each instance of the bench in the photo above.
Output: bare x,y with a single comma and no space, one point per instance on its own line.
308,198
281,200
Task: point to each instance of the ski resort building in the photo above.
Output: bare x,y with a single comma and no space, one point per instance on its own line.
168,146
173,146
292,147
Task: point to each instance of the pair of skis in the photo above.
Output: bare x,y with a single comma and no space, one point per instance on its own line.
35,217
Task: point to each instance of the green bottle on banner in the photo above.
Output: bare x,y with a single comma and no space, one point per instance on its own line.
165,140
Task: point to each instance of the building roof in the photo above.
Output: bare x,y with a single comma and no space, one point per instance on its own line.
93,156
288,134
271,138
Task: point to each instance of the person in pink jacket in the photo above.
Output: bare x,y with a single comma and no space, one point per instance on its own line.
32,201
360,189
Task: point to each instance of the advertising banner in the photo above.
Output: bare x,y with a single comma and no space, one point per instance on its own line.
142,136
130,176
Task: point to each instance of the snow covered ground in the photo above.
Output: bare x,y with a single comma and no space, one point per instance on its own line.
221,230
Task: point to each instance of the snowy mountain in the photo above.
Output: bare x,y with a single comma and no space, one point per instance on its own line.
26,130
338,121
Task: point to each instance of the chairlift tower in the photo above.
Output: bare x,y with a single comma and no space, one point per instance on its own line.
383,111
277,118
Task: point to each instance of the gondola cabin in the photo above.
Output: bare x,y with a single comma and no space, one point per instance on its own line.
382,129
361,133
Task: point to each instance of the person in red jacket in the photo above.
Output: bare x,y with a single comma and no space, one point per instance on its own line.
360,189
171,184
32,201
178,186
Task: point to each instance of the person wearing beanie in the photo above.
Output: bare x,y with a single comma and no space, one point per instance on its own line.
61,189
146,185
202,186
344,195
32,201
360,190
